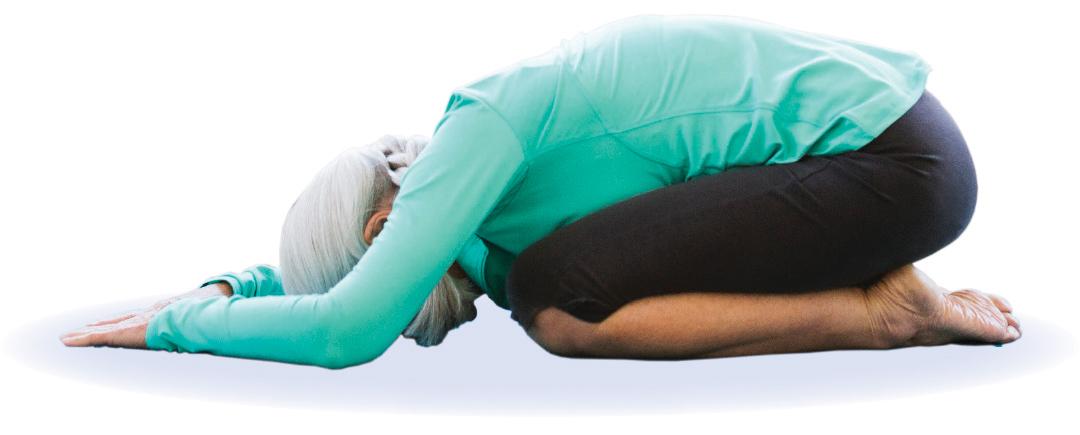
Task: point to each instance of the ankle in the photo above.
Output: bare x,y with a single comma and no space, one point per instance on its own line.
882,332
901,307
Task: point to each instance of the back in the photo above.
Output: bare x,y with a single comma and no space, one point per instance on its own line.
707,92
649,101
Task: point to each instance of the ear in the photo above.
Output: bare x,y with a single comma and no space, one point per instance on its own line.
374,225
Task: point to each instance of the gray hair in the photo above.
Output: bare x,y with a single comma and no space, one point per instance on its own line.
322,238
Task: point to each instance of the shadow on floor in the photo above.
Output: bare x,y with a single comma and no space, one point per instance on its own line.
490,366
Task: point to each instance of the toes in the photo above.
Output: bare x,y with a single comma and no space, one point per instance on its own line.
982,316
1012,321
1001,303
1012,334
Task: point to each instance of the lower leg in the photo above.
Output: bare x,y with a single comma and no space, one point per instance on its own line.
904,309
709,325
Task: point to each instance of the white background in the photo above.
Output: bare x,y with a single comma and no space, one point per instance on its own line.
146,145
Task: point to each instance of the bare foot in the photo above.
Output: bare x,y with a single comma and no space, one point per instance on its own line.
907,308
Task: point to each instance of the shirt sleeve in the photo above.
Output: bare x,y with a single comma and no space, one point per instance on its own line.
472,160
257,280
472,257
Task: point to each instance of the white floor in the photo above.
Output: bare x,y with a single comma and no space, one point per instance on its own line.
145,147
488,369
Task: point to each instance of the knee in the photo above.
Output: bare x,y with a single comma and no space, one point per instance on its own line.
957,199
957,186
960,214
561,334
533,278
946,209
534,292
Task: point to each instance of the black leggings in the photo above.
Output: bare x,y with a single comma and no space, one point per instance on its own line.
821,222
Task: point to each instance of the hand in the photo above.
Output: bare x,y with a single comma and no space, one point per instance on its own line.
129,329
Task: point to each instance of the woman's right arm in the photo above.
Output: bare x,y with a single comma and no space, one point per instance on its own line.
473,160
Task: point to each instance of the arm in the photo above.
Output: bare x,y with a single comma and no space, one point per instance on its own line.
208,289
129,329
255,281
472,160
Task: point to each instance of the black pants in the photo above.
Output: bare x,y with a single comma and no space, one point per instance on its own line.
821,222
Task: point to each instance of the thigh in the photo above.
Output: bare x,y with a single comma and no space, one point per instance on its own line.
822,222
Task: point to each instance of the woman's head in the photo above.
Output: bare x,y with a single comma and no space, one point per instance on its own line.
334,221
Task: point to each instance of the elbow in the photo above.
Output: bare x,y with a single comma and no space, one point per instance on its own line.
343,350
346,339
332,362
338,361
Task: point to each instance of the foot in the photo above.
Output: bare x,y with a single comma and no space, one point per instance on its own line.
907,308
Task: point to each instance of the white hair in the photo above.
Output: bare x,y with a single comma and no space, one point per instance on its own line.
322,238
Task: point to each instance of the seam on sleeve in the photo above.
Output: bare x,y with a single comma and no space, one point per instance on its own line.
499,199
517,137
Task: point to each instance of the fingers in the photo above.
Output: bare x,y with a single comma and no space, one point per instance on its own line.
129,337
114,320
87,339
87,335
157,306
130,333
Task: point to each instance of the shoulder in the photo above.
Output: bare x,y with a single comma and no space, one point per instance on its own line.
472,133
519,97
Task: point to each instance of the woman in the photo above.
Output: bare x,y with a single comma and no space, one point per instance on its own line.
661,187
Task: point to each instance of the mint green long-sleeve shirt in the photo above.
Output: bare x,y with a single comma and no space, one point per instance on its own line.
637,104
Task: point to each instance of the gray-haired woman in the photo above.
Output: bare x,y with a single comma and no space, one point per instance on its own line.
659,187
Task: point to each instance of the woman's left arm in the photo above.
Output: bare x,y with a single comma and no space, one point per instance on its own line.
254,281
473,158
